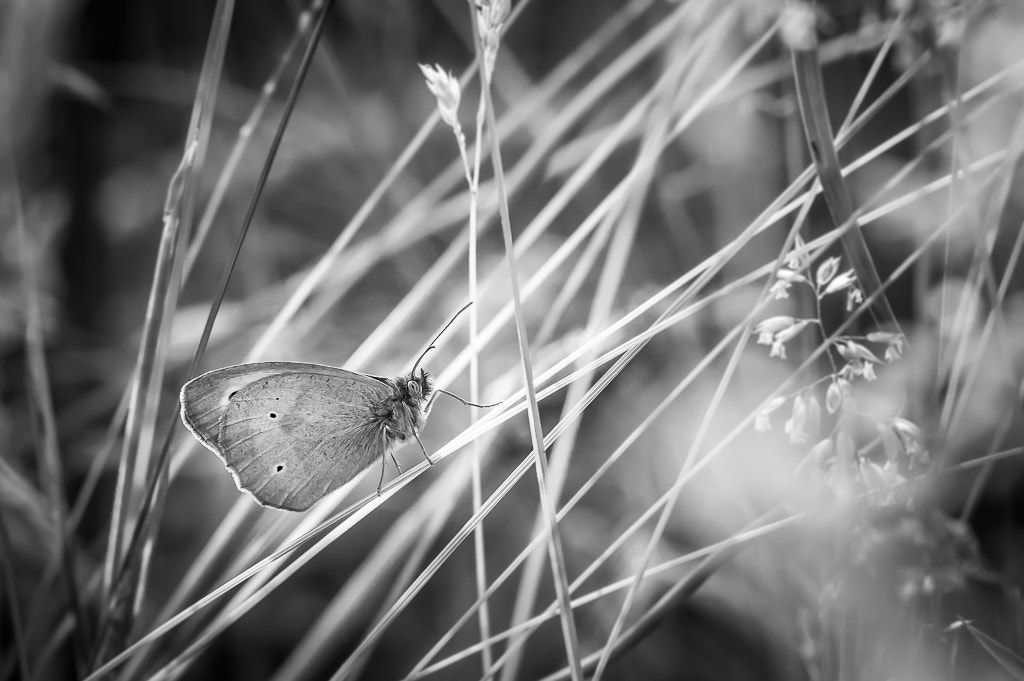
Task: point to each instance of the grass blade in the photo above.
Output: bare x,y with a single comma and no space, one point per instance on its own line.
818,129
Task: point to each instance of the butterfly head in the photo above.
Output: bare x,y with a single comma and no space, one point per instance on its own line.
416,387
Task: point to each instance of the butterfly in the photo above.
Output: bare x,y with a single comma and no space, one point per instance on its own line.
292,432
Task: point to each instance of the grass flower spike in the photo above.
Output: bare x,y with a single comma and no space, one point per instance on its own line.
776,331
446,89
763,421
798,26
448,92
836,394
490,20
795,425
786,278
767,329
826,271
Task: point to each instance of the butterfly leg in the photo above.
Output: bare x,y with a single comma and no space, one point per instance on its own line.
430,404
439,391
383,466
425,455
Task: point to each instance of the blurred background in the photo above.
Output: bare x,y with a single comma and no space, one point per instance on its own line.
97,100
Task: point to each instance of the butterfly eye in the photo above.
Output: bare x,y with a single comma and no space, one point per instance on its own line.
414,387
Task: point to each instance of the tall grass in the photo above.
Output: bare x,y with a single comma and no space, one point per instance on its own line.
753,319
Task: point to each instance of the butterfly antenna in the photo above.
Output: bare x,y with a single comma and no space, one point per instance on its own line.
439,334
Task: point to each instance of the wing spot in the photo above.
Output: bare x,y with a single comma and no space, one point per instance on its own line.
232,395
280,467
273,415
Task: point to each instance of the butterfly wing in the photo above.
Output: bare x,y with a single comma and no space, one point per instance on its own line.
288,432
